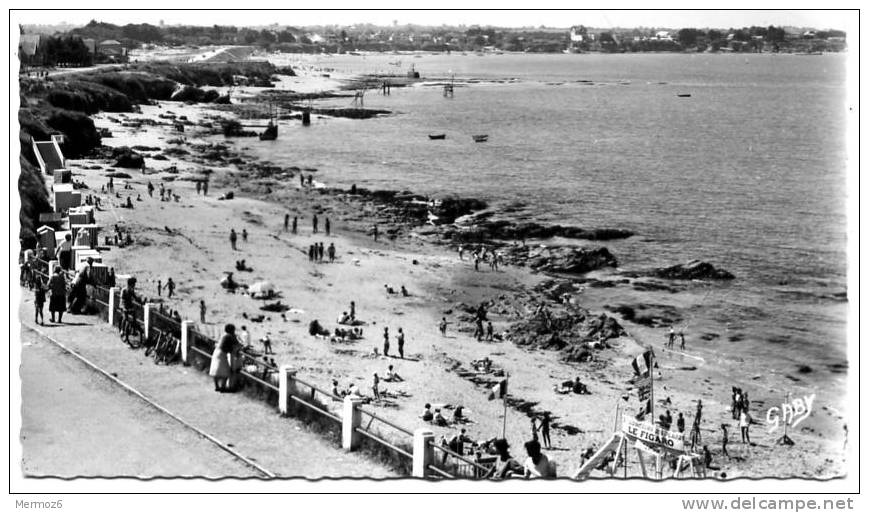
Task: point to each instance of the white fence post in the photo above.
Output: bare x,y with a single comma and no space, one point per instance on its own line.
113,292
147,315
351,419
423,451
185,341
285,381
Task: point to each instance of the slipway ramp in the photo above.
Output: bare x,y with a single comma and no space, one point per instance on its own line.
49,155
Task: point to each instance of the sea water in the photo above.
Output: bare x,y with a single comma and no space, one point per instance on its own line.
747,173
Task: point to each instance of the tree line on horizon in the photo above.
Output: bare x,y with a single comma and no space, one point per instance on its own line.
336,39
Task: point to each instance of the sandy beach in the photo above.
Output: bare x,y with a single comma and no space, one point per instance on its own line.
188,240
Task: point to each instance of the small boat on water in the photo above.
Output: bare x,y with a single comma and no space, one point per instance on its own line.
437,137
684,95
481,138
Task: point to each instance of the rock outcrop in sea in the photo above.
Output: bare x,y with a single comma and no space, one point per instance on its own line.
693,270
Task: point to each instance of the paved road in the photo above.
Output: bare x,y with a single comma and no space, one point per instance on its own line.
76,422
284,446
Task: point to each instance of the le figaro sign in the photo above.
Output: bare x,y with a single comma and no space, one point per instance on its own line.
654,436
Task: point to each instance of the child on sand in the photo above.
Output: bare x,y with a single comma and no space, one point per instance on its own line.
385,341
392,376
427,415
39,300
442,326
170,286
375,386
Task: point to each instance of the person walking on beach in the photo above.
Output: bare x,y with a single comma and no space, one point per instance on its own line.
476,262
220,369
744,423
671,338
386,341
57,290
352,310
724,440
328,227
375,386
39,300
295,225
205,188
490,332
244,234
302,181
544,430
286,222
159,288
170,287
400,339
314,223
442,326
202,311
150,189
331,252
198,187
461,252
232,238
681,340
375,233
321,251
680,423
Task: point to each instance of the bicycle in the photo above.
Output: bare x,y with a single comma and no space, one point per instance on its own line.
129,326
165,347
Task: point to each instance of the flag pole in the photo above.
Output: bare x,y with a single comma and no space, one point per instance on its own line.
504,429
652,384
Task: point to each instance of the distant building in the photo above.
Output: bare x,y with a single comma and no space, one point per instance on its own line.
112,50
577,34
663,35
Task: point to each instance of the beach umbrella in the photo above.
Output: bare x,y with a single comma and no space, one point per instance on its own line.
262,287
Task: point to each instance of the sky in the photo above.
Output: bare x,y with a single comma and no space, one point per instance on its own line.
502,18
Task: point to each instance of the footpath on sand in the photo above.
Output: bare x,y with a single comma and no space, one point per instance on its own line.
255,430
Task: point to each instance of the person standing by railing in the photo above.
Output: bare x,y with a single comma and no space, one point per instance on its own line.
64,252
57,289
220,369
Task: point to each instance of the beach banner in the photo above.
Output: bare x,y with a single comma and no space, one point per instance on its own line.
653,435
499,391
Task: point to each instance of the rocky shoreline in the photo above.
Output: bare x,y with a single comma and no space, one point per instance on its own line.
537,308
